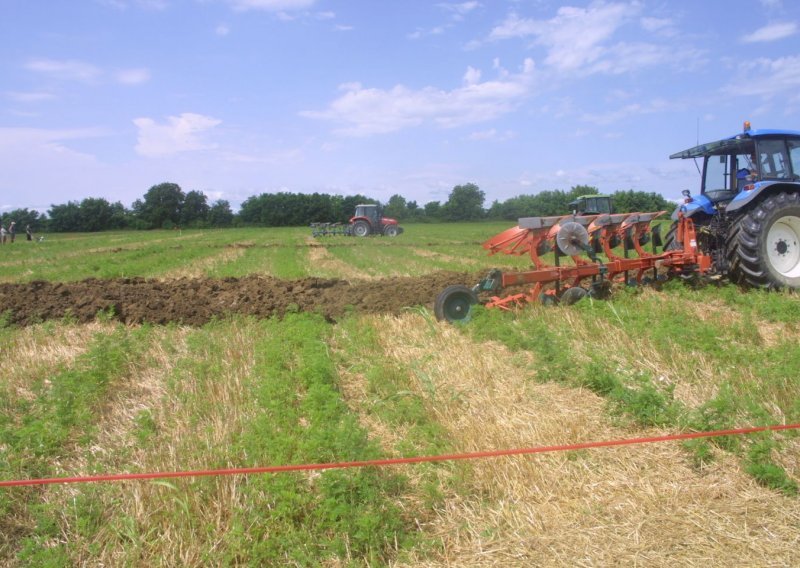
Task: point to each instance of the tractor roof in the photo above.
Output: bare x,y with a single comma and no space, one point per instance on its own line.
588,195
739,143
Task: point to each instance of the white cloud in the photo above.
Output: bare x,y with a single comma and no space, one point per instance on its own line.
30,97
44,138
64,69
419,33
459,10
222,30
145,4
179,134
580,40
363,112
133,76
767,77
653,25
472,76
771,32
574,37
628,111
492,135
271,5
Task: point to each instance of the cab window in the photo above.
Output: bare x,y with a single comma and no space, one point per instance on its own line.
794,156
716,174
773,160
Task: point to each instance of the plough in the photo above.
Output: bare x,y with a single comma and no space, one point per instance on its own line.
743,225
331,229
578,269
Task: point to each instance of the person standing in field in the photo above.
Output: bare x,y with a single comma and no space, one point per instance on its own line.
2,234
12,230
28,233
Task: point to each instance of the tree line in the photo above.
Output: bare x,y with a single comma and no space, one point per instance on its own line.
166,206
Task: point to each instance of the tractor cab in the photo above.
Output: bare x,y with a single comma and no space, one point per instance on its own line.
369,211
736,169
591,205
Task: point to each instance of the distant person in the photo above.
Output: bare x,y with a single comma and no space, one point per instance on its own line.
28,233
12,230
2,234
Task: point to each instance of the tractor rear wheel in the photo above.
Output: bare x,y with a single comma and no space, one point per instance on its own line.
454,304
361,228
390,230
764,245
671,238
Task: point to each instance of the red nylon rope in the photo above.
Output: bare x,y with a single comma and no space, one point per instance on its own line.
394,461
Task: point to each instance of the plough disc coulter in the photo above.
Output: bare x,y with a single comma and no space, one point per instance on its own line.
591,253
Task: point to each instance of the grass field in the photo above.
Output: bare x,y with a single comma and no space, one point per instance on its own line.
78,399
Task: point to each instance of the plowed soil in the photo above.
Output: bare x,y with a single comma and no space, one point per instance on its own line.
195,301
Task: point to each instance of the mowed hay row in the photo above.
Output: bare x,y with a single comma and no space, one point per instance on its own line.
49,432
205,266
322,263
177,416
638,504
29,355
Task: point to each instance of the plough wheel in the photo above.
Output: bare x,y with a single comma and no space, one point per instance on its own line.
454,304
573,295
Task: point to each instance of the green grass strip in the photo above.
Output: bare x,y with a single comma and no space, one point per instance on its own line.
670,325
37,432
304,519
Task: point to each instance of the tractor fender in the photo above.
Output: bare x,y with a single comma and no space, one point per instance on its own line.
696,204
354,219
759,189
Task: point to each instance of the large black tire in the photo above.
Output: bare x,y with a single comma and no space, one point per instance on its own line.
391,231
454,304
671,238
361,229
764,245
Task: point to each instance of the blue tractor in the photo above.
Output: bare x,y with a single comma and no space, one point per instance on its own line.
747,215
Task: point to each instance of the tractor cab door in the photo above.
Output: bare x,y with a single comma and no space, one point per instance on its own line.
368,211
725,175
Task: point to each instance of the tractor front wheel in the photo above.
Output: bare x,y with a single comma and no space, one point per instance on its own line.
454,304
766,247
361,229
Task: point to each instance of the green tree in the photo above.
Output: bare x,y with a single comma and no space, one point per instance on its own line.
194,212
396,208
465,203
220,214
433,210
120,217
95,214
65,218
23,217
161,206
632,201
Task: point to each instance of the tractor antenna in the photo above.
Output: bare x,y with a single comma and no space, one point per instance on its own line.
698,131
696,165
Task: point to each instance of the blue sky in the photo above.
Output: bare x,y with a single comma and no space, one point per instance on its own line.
105,98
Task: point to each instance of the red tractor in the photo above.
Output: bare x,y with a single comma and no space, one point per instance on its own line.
369,220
